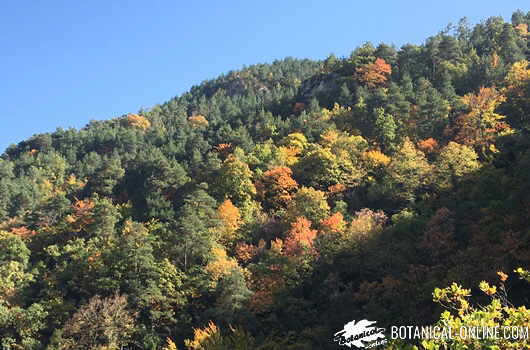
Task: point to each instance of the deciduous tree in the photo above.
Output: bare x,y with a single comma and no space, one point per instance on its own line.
374,74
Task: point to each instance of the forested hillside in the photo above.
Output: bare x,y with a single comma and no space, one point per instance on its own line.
267,208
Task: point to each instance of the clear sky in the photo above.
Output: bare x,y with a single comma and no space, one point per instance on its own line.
64,62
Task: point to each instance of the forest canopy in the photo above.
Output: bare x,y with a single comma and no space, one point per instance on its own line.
268,207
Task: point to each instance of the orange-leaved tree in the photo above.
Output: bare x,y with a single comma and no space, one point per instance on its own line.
276,187
300,237
374,74
334,223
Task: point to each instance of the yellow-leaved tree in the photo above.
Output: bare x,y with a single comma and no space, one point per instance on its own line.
482,124
198,120
517,91
230,221
138,121
515,320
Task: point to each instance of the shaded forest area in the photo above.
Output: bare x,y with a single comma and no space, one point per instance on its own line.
270,206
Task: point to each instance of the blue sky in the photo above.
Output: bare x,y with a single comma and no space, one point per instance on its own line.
65,62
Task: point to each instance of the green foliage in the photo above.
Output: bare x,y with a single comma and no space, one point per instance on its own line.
20,327
407,172
194,237
234,181
308,203
385,127
318,167
454,161
350,189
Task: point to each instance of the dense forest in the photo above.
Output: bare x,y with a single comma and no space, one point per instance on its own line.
268,207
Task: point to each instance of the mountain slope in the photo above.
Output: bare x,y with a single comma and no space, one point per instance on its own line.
284,199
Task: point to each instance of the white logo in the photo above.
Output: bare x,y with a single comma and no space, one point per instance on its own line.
360,334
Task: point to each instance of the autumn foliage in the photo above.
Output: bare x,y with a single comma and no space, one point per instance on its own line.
265,287
197,120
224,149
428,145
202,336
335,223
518,77
298,107
245,252
276,187
22,231
300,237
82,215
337,188
138,121
481,124
230,219
439,239
374,74
285,199
221,264
376,158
